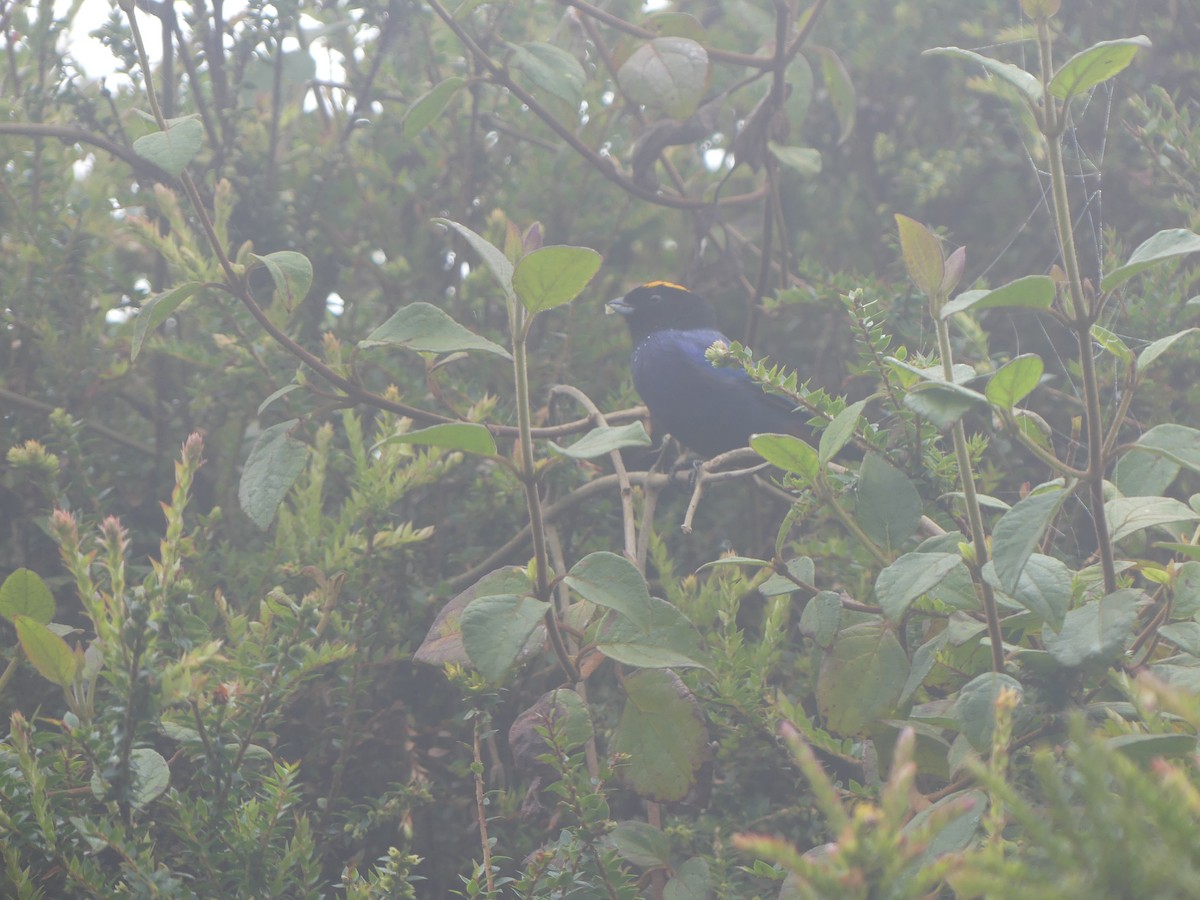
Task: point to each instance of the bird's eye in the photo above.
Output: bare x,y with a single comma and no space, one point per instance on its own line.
655,298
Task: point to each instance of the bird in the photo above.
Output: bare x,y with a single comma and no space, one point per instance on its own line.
709,410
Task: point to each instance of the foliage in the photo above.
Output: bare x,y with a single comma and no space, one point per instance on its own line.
402,625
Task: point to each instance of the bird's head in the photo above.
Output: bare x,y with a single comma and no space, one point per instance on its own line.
660,305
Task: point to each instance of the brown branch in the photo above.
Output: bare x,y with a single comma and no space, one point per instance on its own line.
79,136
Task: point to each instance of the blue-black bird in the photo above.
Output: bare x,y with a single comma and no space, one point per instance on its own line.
707,409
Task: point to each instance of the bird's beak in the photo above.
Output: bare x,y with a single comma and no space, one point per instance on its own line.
618,306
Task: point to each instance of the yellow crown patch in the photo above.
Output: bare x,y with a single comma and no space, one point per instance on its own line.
669,284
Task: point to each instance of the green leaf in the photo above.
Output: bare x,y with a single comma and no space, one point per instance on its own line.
292,273
275,462
495,629
923,662
1097,63
821,618
1167,244
668,639
151,776
669,74
839,432
1018,532
424,327
886,503
1043,588
840,87
1030,292
788,452
429,105
641,844
1184,635
1127,515
975,707
1152,352
1095,632
443,642
1140,474
25,594
942,403
492,256
1015,380
48,652
691,881
1027,84
156,311
613,582
804,160
1177,443
801,568
1145,748
957,833
276,395
861,677
922,253
174,148
605,440
550,69
912,575
663,734
552,276
469,437
1110,343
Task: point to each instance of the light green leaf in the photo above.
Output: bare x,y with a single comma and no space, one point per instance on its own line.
552,276
1027,84
443,642
1095,632
923,662
605,440
942,403
838,83
48,652
804,160
1145,748
1152,352
25,594
1127,515
691,881
275,462
174,148
1184,635
424,327
801,568
1097,63
1030,292
668,74
1018,532
912,575
839,432
861,677
975,707
922,253
550,69
292,273
156,311
495,629
151,776
492,256
1043,588
886,503
788,452
429,105
1167,244
1015,380
613,582
663,734
667,639
470,437
821,618
641,844
1111,343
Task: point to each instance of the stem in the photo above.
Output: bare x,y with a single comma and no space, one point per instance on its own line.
974,513
1083,318
480,811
